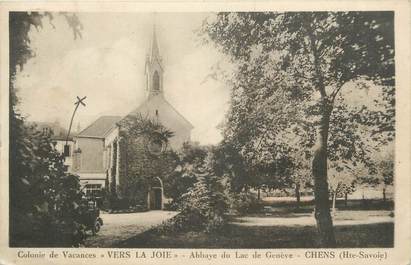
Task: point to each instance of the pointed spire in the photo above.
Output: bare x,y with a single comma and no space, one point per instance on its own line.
154,68
155,52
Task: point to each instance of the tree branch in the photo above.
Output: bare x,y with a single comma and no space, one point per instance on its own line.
335,92
319,76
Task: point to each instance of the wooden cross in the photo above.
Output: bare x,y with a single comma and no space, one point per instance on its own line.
77,103
80,101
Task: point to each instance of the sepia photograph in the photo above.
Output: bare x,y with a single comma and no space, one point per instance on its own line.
202,130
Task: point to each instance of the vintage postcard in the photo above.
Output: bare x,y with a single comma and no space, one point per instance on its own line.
205,132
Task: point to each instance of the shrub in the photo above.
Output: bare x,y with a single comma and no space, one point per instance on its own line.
245,203
115,204
204,206
190,158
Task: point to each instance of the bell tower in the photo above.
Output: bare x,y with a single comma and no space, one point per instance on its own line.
154,69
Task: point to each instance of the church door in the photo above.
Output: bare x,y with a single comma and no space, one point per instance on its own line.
157,199
155,195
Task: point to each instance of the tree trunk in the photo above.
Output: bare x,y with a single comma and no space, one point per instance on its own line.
319,169
345,199
297,194
258,194
334,199
384,196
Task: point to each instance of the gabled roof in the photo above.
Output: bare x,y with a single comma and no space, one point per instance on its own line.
145,105
100,128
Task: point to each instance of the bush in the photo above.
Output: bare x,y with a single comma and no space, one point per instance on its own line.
245,203
120,204
115,204
204,206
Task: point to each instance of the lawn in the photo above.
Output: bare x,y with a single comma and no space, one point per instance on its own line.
235,236
278,230
307,204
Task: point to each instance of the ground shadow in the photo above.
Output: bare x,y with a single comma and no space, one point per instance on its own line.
234,236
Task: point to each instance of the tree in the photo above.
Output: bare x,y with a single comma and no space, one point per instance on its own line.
343,177
291,67
204,205
300,174
387,173
190,157
43,197
299,141
231,163
382,169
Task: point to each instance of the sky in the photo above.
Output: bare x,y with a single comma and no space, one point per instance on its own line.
107,66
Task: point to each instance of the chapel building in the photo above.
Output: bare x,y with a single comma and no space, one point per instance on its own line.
97,158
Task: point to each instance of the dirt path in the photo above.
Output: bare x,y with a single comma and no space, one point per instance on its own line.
119,227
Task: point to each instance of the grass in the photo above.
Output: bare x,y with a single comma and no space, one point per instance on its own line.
308,205
235,236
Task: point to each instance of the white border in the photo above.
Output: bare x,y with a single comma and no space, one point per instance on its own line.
400,254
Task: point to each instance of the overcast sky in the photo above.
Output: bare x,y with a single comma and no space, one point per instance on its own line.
107,66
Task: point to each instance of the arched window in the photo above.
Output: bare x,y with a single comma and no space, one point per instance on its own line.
156,81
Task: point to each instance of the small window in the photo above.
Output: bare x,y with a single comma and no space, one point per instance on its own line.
156,81
67,150
76,160
156,112
93,190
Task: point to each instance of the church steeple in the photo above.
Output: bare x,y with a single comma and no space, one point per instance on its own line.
155,52
154,68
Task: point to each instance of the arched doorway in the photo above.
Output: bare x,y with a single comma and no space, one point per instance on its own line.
155,194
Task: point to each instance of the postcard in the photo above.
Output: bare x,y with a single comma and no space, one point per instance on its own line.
205,132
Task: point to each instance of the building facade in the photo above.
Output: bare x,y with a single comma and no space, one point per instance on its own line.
59,138
97,155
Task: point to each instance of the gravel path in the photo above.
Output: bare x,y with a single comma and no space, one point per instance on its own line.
119,227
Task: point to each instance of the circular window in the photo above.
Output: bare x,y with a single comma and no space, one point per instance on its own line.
156,146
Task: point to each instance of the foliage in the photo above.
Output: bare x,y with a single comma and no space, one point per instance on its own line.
387,172
245,203
44,199
341,181
231,164
140,163
382,170
343,178
204,206
135,126
21,23
290,69
299,174
190,157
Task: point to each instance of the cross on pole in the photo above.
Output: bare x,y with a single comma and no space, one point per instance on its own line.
77,104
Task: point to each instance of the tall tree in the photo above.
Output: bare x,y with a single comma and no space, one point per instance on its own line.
291,66
343,177
42,195
382,173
